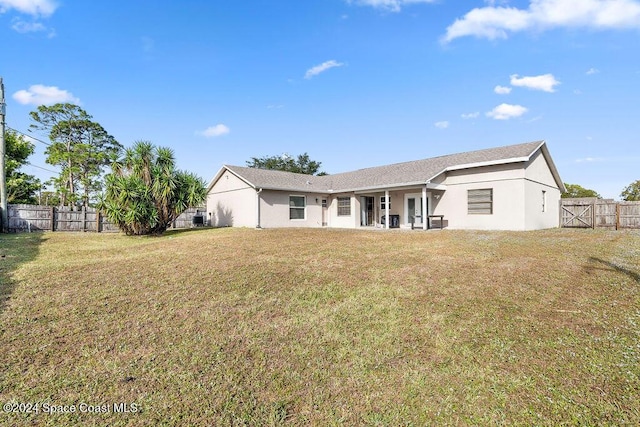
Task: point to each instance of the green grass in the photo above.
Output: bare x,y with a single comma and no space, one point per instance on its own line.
323,327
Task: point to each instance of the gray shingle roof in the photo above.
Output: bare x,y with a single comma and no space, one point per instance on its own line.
278,180
398,174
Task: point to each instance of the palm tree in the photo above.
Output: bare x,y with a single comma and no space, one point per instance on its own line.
145,193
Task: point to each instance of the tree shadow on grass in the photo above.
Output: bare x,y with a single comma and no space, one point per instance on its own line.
15,250
633,274
179,231
168,233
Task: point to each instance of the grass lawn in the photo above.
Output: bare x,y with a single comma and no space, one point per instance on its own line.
321,327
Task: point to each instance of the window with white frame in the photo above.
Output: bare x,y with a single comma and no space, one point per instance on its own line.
297,205
480,202
344,206
383,203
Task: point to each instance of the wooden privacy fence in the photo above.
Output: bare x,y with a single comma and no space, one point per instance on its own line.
23,218
592,213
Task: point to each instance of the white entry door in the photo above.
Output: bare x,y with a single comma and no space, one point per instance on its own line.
413,209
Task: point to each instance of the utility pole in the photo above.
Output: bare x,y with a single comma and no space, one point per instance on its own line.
3,176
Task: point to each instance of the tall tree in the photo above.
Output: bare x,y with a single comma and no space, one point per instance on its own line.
49,198
80,146
145,192
631,192
21,187
300,164
575,190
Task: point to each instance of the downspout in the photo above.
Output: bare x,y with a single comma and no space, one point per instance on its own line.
258,191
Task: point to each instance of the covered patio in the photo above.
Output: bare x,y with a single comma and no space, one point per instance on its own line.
406,207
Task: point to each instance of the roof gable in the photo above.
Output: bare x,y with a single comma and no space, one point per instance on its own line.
398,174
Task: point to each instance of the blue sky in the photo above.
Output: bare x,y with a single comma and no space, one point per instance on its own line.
355,83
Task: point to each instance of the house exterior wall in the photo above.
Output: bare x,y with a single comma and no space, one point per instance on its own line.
231,202
351,221
541,211
536,218
274,209
508,185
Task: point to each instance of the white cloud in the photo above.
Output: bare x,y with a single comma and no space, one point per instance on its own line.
545,82
497,22
506,111
27,27
44,95
487,22
215,131
29,7
592,71
35,8
314,71
441,125
390,5
23,27
502,90
470,115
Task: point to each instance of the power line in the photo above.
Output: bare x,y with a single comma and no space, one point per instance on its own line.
36,139
29,136
40,167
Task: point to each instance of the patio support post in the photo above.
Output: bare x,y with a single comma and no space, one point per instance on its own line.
258,191
386,209
425,214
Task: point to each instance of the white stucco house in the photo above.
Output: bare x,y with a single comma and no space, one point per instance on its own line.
516,187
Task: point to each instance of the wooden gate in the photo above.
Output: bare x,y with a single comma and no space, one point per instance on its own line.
577,215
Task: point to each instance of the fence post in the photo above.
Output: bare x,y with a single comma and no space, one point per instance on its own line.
617,216
52,214
97,221
593,215
560,223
